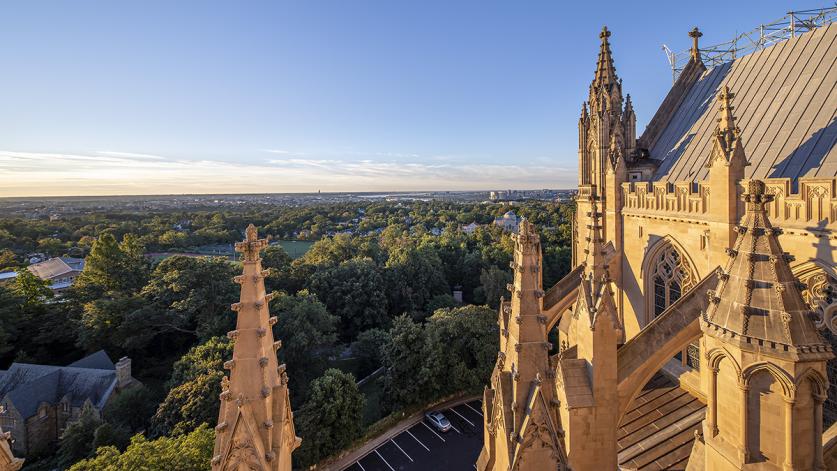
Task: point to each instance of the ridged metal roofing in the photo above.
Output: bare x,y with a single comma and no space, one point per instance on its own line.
785,102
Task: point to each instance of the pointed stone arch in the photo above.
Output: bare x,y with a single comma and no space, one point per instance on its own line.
714,357
666,251
780,375
816,378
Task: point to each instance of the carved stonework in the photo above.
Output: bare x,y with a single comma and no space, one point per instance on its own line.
243,456
821,294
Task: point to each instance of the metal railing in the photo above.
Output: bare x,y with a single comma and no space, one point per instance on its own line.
789,26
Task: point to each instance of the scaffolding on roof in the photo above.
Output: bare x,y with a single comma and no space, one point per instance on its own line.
786,27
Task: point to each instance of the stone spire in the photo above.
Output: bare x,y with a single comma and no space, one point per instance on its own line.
629,105
8,462
605,71
695,34
521,425
596,277
255,424
726,140
758,304
527,328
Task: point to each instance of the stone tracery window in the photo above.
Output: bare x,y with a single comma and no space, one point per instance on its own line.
670,278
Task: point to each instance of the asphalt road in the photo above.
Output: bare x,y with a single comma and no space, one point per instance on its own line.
422,448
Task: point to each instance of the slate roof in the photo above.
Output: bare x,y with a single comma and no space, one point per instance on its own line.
659,428
785,101
99,360
26,386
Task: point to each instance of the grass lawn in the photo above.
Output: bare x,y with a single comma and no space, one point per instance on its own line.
295,248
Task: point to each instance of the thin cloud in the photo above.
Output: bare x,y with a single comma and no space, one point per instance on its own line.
57,174
130,155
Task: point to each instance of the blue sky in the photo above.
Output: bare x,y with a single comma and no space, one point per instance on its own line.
143,97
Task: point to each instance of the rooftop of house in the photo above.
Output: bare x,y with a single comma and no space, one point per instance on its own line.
785,109
55,267
27,386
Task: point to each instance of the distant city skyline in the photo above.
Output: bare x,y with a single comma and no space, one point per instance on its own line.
271,97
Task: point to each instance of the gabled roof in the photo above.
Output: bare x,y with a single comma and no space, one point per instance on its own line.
27,385
55,267
97,361
785,102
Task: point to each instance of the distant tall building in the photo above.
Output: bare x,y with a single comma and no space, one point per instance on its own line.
255,428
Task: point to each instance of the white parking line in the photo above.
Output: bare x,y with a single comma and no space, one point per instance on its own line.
385,461
462,416
402,450
434,432
419,441
469,407
361,466
455,429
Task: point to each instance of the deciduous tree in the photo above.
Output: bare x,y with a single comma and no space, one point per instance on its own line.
354,292
331,417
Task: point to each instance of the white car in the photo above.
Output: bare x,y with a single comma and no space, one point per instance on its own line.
437,420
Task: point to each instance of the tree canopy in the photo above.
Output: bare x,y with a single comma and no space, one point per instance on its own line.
331,417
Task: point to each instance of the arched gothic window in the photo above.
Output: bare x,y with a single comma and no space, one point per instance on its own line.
670,279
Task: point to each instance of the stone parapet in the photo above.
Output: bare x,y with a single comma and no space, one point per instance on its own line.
806,203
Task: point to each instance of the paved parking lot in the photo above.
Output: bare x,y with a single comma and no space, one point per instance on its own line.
420,447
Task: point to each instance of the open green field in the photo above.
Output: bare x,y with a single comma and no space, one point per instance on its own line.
295,248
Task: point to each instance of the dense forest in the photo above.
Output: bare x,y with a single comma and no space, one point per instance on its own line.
372,296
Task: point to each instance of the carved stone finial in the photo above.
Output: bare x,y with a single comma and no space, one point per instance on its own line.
604,34
252,245
727,120
695,34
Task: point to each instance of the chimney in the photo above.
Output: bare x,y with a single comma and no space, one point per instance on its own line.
123,372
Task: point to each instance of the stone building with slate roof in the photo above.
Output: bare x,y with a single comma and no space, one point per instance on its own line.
697,327
37,402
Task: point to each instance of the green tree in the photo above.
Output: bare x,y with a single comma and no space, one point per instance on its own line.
131,409
8,260
354,291
188,405
31,288
189,295
51,246
414,276
208,357
331,418
112,268
368,349
191,452
77,439
10,320
460,349
403,358
279,263
111,435
493,282
341,247
103,325
194,387
307,332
